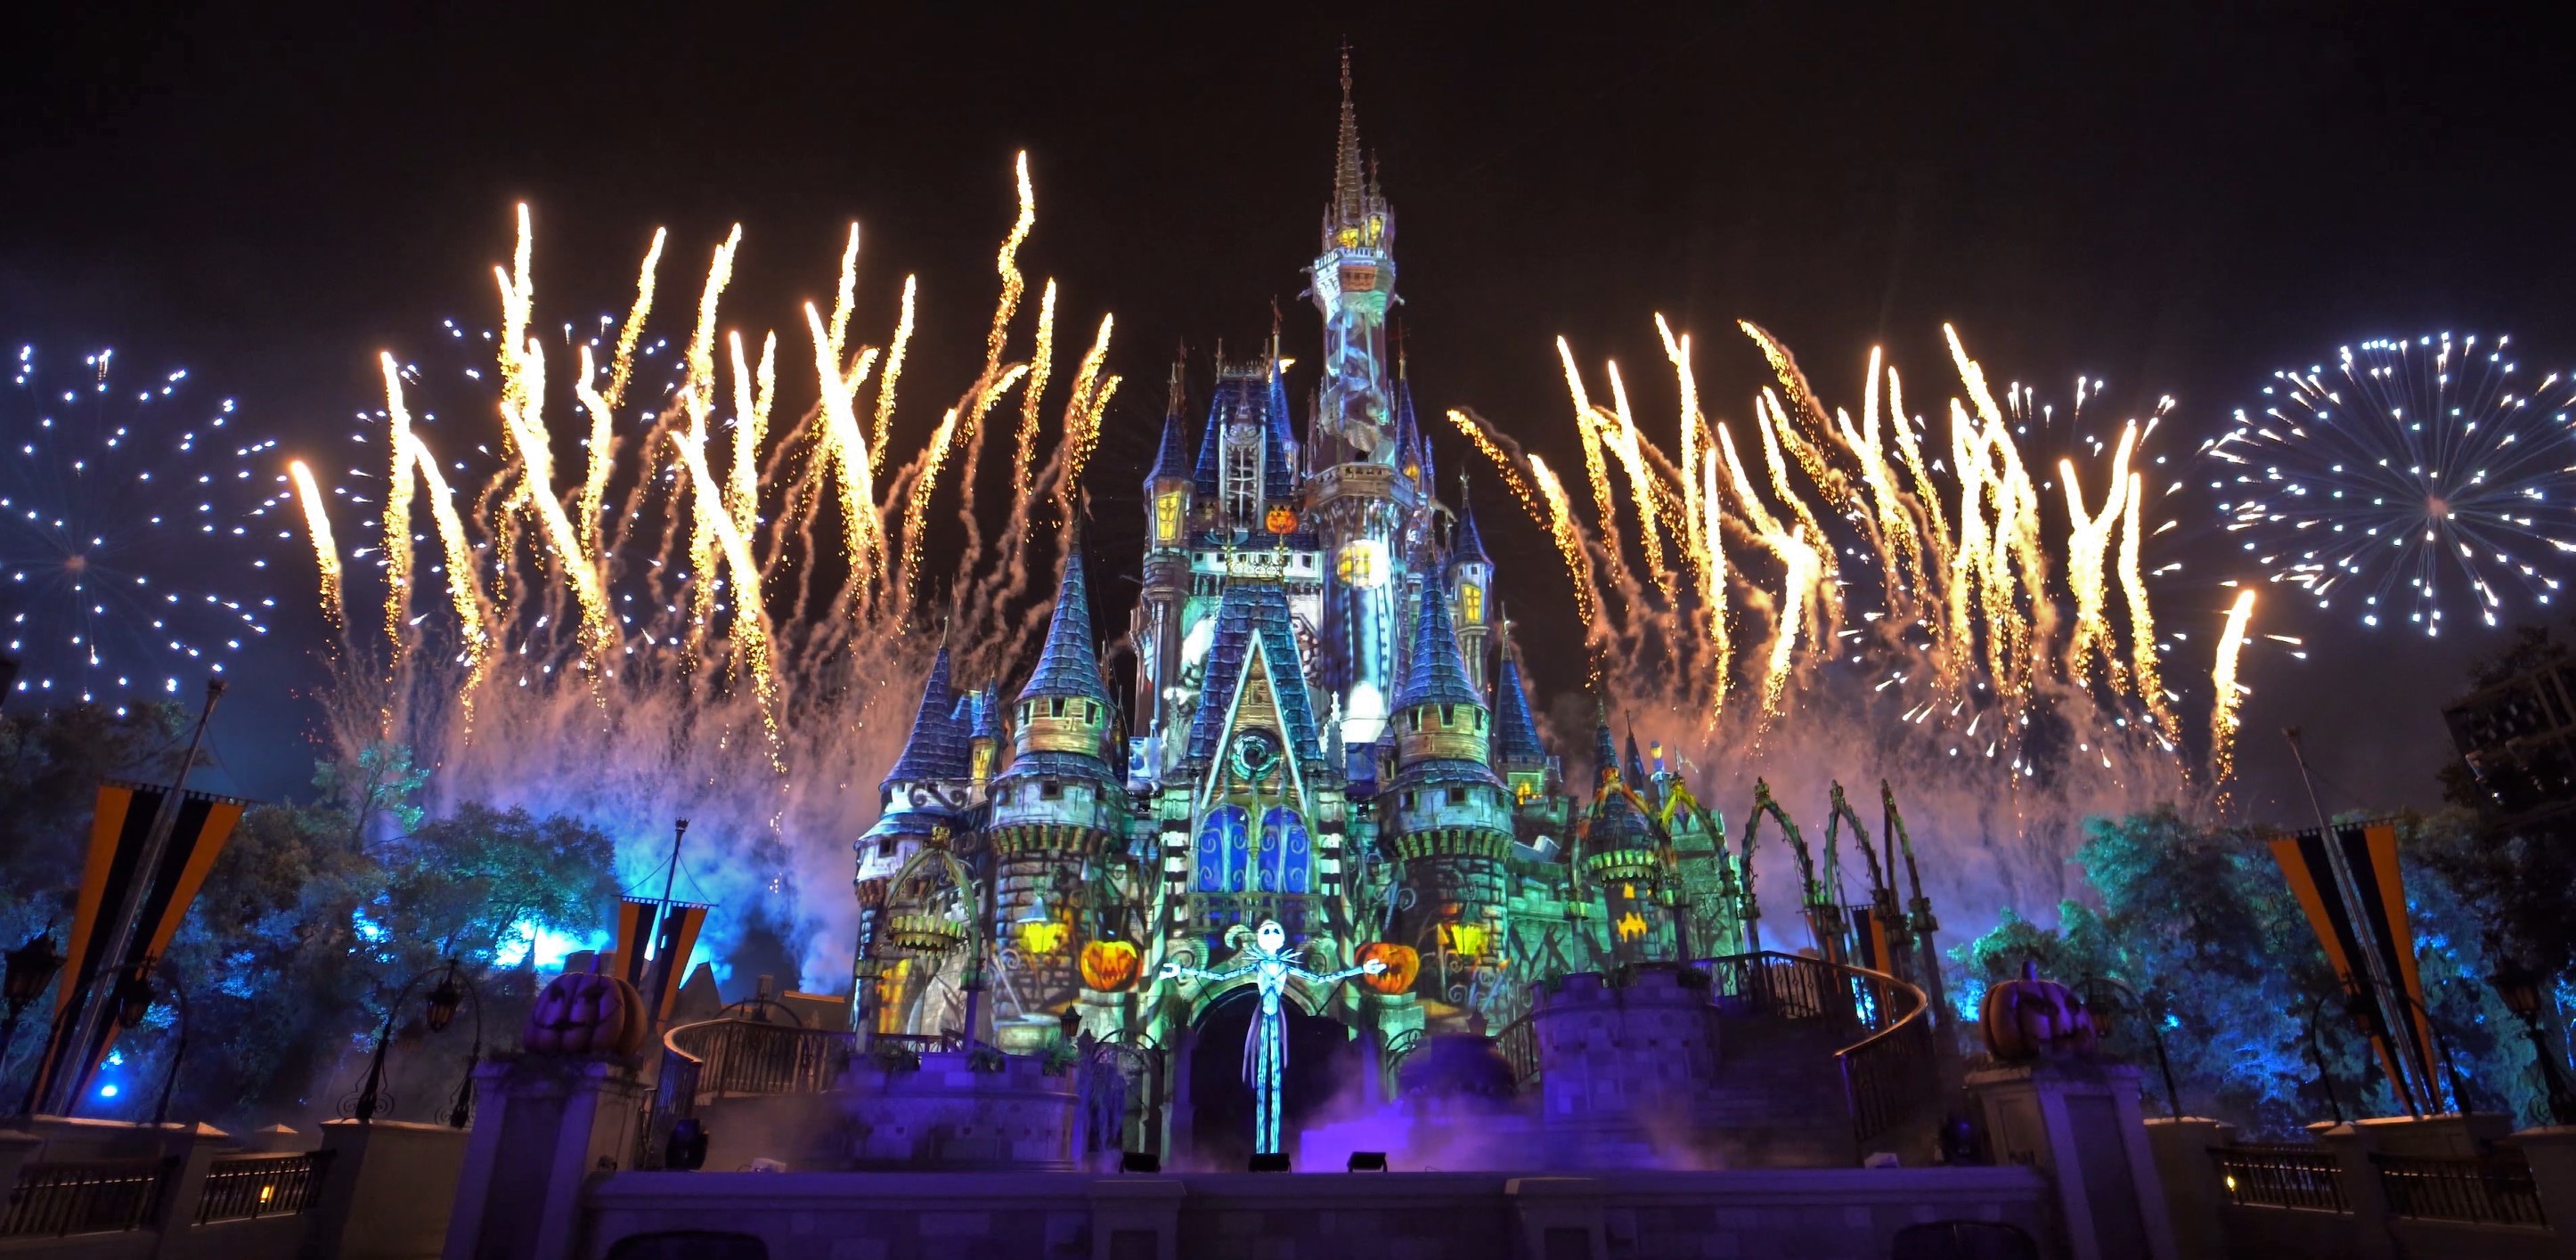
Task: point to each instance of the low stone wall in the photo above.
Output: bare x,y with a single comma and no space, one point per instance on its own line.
1312,1216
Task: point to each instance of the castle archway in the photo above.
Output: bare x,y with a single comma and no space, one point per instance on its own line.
1323,1062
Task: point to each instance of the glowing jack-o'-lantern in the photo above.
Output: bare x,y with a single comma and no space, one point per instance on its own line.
2030,1018
1281,519
588,1015
1403,963
1109,966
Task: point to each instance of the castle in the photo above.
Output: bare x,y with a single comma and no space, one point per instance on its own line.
1328,728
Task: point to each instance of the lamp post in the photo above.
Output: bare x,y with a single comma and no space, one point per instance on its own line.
2317,1049
2154,1020
2519,986
170,1078
29,968
438,1011
131,993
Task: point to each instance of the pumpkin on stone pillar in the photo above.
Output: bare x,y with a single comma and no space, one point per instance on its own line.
590,1016
2031,1018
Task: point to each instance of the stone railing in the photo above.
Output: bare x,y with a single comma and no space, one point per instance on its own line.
2435,1187
84,1197
249,1187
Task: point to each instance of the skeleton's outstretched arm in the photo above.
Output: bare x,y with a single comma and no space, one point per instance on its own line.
1173,971
1371,967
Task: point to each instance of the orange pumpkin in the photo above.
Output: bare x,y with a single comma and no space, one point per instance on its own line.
2030,1018
1281,519
1109,966
1403,963
587,1015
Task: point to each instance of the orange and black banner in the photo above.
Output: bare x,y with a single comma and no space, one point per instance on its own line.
636,918
2370,853
671,953
115,890
657,975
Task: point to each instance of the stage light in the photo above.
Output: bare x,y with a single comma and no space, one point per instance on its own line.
1367,1161
1276,1161
1139,1162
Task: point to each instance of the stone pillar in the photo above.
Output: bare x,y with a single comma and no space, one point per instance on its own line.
545,1125
2078,1122
2194,1199
1136,1218
2351,1144
1559,1218
2552,1152
387,1191
192,1149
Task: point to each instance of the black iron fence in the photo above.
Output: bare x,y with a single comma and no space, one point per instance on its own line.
2286,1176
248,1187
84,1197
2487,1189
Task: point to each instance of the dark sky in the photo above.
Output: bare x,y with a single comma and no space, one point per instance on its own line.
2177,198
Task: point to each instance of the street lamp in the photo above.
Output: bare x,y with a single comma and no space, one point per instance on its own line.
2519,986
437,1012
29,968
2149,1012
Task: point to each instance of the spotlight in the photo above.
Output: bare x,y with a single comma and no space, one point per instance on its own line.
1275,1162
1367,1161
1139,1162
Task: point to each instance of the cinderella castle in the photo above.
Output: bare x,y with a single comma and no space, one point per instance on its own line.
1328,729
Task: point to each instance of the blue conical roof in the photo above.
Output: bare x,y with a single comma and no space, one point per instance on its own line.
1605,751
1408,432
1439,671
1069,665
1203,479
1469,546
1278,471
1172,458
1516,742
937,746
1636,764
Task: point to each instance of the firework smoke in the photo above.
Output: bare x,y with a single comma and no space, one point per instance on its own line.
722,617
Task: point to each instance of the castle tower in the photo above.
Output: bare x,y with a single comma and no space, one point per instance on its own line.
1471,586
1452,821
1156,627
1362,503
913,809
1518,754
1061,803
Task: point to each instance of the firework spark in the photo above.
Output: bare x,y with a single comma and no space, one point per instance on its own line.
136,525
729,638
2407,472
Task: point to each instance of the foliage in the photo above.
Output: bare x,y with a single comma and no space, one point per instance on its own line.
2202,926
309,925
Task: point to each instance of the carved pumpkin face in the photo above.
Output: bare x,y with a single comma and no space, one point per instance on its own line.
1403,963
2030,1018
586,1015
1109,966
1281,519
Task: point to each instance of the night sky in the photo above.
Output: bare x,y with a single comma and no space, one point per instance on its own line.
2177,199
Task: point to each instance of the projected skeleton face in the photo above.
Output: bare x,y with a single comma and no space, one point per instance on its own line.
1271,936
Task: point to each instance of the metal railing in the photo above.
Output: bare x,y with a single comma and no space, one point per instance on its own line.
248,1187
718,1057
2487,1189
2284,1176
85,1197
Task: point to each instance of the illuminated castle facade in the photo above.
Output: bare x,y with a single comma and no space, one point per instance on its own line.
1328,728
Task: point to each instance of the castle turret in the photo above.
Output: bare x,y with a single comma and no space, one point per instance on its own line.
1471,586
1518,754
1452,820
1155,622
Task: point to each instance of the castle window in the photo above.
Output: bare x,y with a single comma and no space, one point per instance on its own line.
1415,719
1408,800
1457,796
1091,712
1055,707
1448,715
1049,790
1480,719
885,846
